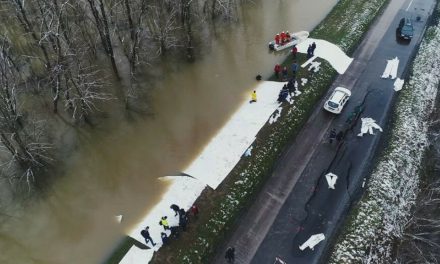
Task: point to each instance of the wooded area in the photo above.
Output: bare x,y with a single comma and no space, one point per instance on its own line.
71,52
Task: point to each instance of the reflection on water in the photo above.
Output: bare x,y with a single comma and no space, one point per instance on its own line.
116,170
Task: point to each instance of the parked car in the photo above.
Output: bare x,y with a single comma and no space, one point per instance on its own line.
337,100
405,29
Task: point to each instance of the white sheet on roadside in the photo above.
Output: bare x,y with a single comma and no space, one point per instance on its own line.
391,69
368,124
312,241
331,180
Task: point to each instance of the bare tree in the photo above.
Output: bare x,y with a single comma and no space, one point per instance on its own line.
24,144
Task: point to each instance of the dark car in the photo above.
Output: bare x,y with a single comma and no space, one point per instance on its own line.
405,29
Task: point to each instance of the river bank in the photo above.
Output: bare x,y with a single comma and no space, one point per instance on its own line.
375,227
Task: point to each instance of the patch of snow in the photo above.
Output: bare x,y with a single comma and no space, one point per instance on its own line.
398,84
391,69
276,115
314,66
248,152
225,149
327,51
304,81
367,126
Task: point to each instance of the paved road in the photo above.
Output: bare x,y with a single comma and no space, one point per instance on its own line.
296,201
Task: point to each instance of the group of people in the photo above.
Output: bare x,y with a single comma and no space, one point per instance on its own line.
311,50
283,72
183,222
283,38
287,89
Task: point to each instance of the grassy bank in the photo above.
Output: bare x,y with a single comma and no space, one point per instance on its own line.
384,210
221,208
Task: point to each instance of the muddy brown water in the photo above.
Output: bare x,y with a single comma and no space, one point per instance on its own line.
116,171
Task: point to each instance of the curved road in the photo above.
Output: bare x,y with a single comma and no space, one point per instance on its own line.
296,201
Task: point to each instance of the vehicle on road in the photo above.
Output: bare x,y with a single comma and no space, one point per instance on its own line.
405,29
337,100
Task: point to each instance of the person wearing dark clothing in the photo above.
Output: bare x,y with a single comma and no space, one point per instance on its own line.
339,136
285,73
283,94
309,52
183,221
291,86
174,232
277,70
146,234
195,211
175,208
313,47
164,238
230,254
294,68
182,212
332,136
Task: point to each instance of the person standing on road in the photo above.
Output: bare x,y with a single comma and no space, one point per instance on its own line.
332,136
230,254
146,234
277,70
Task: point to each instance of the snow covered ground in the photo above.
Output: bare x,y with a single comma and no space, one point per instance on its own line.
393,187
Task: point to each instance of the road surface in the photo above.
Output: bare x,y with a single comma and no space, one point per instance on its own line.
296,202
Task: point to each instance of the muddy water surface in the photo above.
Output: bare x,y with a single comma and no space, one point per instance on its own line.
116,171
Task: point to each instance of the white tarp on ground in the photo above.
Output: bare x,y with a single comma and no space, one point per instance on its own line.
136,255
329,52
183,191
225,149
367,126
391,69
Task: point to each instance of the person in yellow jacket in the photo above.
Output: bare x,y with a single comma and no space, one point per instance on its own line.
164,222
253,97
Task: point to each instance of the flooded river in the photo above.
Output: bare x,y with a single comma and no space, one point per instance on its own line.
116,169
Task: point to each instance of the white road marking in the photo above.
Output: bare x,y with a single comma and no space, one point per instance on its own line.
410,3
